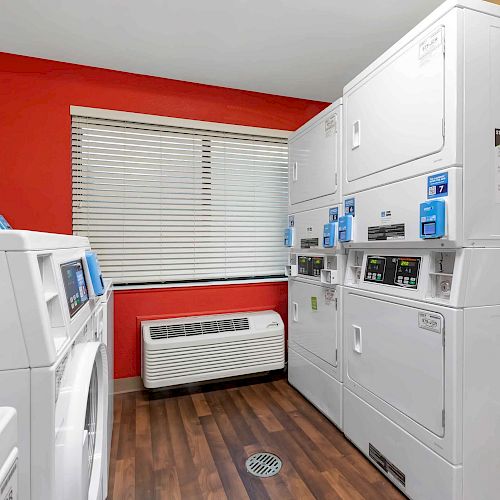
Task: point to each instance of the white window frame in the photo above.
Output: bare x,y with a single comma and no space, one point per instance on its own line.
192,124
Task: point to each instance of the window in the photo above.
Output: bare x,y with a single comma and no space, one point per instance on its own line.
166,204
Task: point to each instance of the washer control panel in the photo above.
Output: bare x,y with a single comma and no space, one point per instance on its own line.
393,270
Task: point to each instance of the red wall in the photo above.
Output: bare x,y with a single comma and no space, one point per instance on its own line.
35,166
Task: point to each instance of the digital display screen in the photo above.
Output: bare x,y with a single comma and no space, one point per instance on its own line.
75,285
375,269
429,228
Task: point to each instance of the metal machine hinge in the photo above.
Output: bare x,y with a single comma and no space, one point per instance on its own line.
442,418
444,341
336,178
336,355
336,303
443,126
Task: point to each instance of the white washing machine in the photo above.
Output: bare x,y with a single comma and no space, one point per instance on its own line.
8,454
421,349
53,370
314,310
104,331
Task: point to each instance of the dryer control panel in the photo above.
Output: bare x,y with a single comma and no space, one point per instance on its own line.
393,270
310,266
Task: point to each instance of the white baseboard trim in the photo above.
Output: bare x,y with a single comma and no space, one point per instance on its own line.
129,384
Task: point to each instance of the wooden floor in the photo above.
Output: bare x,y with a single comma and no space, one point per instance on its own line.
193,444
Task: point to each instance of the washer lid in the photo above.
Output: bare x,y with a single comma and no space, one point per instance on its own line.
82,449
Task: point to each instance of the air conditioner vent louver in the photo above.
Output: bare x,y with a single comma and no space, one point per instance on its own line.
199,328
184,350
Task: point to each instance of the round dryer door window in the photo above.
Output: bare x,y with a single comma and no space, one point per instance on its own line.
82,452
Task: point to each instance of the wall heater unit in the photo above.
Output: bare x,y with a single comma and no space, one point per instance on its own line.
184,350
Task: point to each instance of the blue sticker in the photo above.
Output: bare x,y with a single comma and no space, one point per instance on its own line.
349,207
333,214
437,185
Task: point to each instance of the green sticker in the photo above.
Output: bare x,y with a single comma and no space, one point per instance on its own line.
314,303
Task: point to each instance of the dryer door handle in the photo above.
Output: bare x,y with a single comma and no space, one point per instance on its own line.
295,311
357,341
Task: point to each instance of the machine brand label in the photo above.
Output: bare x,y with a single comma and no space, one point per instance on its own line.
331,126
437,185
291,220
429,321
333,214
309,242
350,206
431,43
386,232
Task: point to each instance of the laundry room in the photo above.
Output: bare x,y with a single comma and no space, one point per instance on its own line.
249,250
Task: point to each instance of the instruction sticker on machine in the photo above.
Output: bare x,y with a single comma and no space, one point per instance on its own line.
350,206
314,303
497,165
333,214
437,185
429,321
431,43
331,126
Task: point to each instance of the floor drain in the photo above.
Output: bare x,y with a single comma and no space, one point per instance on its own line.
263,464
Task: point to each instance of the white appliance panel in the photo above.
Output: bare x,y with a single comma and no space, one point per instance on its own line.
314,160
390,354
313,319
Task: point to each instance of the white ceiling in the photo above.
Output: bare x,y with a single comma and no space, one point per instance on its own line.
300,48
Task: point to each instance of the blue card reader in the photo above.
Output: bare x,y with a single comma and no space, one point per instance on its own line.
345,228
432,219
329,231
95,272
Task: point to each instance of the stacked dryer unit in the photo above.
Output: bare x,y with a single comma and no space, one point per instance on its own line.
421,323
53,368
316,262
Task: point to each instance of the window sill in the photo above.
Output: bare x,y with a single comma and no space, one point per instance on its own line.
118,287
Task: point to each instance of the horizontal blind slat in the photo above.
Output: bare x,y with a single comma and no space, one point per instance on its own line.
162,203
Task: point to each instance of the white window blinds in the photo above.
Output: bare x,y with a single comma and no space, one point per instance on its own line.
164,204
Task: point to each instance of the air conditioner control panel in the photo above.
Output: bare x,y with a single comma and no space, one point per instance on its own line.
393,270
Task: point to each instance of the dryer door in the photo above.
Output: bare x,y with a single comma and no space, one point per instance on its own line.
313,319
396,352
314,159
82,452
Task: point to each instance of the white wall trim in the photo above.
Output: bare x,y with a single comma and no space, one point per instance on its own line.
117,287
176,122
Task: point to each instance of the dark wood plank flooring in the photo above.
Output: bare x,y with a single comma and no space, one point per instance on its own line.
192,444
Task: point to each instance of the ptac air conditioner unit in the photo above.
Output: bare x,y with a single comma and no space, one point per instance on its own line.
184,350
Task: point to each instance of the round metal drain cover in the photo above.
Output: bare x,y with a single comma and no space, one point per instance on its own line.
263,464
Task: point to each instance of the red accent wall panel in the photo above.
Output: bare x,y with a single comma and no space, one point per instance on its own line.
35,165
132,307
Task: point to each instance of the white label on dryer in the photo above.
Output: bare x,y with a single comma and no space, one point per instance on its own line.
331,126
429,321
431,43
